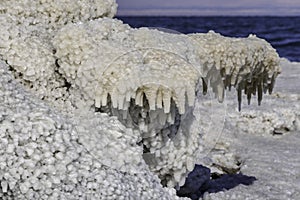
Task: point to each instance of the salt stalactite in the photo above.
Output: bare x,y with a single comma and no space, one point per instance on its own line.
249,64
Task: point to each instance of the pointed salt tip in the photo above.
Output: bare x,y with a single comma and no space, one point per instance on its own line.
181,101
181,108
97,102
177,175
104,99
159,100
139,98
204,85
126,105
260,93
114,99
182,181
249,97
151,99
239,98
121,102
167,101
169,118
128,96
220,91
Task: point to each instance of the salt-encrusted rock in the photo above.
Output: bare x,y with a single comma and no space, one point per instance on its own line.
77,61
58,12
42,156
142,72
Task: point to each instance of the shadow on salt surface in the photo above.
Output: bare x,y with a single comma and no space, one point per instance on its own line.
199,182
229,181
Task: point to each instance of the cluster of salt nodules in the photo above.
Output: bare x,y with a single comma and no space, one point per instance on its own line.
43,156
56,13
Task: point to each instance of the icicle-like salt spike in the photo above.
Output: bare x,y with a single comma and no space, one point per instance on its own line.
126,105
159,103
227,82
249,96
128,96
259,92
104,99
114,98
254,86
181,101
239,94
97,101
167,100
171,116
220,92
121,101
151,96
204,85
182,181
272,83
139,97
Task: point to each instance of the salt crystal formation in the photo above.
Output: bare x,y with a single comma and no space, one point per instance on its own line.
43,156
76,59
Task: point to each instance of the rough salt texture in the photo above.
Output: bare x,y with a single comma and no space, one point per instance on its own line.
43,156
77,61
125,70
56,13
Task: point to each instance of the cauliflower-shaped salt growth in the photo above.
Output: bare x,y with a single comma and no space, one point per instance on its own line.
56,13
130,79
29,53
148,79
42,157
249,64
279,121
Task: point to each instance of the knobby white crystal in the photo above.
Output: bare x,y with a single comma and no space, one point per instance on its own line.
74,58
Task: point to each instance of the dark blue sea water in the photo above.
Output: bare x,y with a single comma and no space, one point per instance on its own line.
282,32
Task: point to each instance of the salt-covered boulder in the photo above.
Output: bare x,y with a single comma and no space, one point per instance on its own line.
149,79
77,59
46,155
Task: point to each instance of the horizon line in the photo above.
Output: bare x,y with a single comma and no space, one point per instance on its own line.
150,15
209,12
